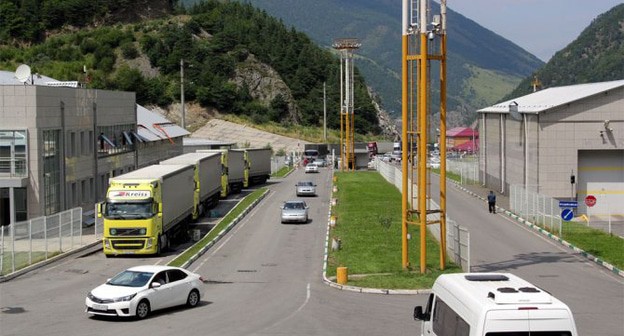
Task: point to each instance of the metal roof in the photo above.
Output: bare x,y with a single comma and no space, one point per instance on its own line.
8,78
461,132
152,126
547,99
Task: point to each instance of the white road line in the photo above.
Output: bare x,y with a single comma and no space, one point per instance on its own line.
232,233
296,311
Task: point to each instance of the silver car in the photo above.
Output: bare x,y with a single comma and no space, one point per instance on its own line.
306,188
294,211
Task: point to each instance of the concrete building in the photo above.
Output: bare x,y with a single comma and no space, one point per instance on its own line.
543,139
60,145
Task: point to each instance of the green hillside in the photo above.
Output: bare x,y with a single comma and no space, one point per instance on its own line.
377,24
227,47
597,55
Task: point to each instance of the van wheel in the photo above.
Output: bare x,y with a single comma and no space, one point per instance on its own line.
142,309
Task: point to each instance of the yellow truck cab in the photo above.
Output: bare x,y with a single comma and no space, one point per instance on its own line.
146,208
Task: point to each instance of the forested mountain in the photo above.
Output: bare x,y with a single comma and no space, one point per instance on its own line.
237,59
482,68
597,55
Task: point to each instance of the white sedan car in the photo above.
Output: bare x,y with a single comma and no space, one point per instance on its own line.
311,168
140,290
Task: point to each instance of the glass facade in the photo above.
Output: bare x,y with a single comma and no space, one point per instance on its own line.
51,171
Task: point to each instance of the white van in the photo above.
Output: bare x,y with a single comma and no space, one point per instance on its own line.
492,304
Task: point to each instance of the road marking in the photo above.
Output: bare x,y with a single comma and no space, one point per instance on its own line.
232,234
305,302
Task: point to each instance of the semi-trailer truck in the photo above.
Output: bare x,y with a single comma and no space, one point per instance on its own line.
207,176
235,165
145,209
257,165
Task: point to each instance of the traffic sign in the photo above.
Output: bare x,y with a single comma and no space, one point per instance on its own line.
590,200
567,214
568,204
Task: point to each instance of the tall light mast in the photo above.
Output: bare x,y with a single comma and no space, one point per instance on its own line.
346,46
426,35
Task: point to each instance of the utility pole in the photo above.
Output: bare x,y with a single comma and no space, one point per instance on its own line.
428,34
182,92
324,114
346,46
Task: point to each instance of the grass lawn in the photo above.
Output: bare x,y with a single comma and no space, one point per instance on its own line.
282,171
21,260
368,214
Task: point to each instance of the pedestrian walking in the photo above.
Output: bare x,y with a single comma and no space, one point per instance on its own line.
491,202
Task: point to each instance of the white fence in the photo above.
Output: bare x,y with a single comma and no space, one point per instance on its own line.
457,237
536,208
28,242
466,169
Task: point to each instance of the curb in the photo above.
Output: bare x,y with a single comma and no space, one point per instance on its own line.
223,232
551,236
329,281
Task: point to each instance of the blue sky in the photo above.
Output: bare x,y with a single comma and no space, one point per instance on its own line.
541,27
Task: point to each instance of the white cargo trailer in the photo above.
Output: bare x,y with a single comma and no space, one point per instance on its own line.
257,165
207,176
235,167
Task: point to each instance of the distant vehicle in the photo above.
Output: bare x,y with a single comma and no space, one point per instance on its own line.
294,211
306,188
320,162
478,304
140,290
396,156
311,168
310,154
372,149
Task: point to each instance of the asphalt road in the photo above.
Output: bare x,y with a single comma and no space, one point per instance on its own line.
264,278
500,244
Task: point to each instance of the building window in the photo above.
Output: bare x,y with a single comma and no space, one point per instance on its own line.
13,150
115,139
83,191
90,142
51,171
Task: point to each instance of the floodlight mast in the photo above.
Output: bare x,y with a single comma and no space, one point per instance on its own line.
421,32
346,46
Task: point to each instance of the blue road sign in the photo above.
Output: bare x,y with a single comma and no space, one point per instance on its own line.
568,204
567,214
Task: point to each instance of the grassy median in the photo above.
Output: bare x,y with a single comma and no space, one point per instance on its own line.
368,225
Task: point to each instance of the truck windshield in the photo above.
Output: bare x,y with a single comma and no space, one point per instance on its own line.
129,210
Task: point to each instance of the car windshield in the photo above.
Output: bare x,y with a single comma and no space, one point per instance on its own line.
294,206
131,279
305,184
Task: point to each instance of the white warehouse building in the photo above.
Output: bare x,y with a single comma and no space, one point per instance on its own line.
563,142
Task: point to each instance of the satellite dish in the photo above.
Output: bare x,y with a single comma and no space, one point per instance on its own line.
513,111
22,73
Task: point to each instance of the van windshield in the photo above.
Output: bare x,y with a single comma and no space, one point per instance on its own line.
529,333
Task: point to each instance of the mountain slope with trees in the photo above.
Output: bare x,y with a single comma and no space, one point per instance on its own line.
597,55
228,50
476,56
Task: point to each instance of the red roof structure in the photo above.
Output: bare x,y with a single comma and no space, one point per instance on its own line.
462,132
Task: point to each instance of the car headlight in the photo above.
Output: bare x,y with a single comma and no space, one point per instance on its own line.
90,296
125,298
142,232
